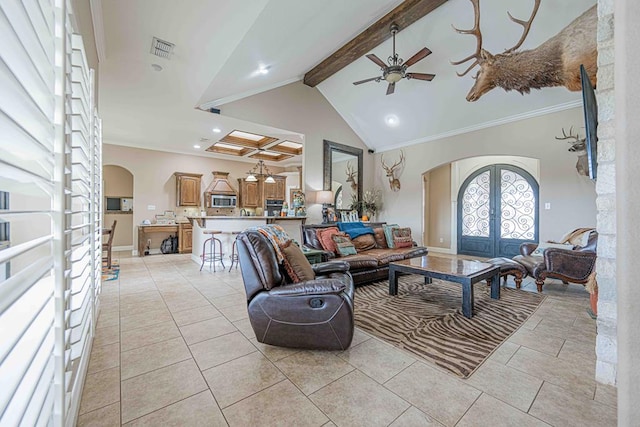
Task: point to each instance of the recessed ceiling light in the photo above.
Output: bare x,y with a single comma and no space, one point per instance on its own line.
196,146
263,69
156,67
392,120
216,130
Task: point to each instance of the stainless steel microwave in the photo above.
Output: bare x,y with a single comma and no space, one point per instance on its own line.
223,201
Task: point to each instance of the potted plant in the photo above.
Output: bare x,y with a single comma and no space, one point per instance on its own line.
370,203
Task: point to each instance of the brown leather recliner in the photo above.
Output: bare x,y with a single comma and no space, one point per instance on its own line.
570,266
316,314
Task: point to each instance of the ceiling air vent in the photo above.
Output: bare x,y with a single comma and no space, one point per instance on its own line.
162,48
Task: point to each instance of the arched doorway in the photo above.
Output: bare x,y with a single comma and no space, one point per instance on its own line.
497,211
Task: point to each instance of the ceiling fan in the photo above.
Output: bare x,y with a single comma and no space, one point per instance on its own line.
397,69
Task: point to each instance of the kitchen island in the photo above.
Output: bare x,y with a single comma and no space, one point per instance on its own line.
227,224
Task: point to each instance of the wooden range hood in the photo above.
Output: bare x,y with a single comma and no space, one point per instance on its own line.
221,185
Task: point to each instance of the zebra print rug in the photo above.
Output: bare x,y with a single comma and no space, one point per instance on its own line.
427,320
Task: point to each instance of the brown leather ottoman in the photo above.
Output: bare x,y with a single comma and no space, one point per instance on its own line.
509,266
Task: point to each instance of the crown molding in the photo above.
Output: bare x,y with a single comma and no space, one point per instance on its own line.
232,98
98,29
485,125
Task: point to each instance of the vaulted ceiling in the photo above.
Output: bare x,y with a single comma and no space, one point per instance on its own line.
220,46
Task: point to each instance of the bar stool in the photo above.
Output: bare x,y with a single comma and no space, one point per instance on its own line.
212,256
234,253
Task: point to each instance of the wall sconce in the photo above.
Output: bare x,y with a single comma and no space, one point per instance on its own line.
326,198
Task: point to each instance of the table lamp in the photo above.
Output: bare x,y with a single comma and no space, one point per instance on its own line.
326,198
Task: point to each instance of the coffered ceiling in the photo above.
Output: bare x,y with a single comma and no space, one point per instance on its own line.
223,48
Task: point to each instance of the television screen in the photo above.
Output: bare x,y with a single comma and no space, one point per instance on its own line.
113,203
590,107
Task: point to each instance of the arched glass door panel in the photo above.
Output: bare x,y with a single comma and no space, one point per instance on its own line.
497,211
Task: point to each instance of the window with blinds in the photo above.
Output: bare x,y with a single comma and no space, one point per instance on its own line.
50,252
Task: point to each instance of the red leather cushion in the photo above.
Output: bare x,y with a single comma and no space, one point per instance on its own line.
381,240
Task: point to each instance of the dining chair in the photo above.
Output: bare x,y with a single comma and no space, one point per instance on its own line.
106,246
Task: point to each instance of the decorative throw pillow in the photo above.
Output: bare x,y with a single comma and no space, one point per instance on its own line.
324,236
343,243
295,263
539,251
402,237
381,241
364,242
388,230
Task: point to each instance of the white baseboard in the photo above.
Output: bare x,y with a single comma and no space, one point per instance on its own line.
441,250
134,252
122,248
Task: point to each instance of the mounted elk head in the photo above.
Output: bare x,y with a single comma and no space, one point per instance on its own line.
578,146
351,177
555,62
394,182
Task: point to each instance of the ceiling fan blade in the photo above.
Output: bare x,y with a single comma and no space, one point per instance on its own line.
377,60
391,88
366,80
422,53
421,76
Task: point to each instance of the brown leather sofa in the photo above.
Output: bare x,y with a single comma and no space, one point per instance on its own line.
368,266
315,314
570,266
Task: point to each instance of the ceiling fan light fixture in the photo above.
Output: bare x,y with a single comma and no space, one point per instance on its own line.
397,67
393,77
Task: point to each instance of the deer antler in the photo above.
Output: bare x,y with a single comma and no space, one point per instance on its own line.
476,32
575,137
525,24
395,165
577,143
350,172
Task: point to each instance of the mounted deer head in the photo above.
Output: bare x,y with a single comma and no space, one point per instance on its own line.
556,62
351,177
578,146
394,182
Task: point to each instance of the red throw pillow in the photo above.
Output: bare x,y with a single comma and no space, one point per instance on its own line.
402,237
295,263
324,236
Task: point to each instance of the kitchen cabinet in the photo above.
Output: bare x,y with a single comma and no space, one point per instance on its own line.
187,189
276,190
253,194
185,238
250,193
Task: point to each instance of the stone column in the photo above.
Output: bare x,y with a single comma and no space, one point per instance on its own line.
606,342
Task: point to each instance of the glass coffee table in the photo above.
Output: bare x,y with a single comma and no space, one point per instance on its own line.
464,272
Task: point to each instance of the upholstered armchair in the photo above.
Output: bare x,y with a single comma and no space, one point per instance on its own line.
312,314
569,265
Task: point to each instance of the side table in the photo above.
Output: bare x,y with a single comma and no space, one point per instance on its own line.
314,255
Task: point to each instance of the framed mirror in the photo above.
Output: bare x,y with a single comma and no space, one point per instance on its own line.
343,173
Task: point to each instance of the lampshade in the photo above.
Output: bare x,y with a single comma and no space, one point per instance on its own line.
324,196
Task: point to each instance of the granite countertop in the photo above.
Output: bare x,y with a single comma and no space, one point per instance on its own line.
247,217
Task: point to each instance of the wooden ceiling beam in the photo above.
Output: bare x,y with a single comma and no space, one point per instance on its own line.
404,15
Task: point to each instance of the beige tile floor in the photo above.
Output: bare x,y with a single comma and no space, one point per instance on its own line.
174,347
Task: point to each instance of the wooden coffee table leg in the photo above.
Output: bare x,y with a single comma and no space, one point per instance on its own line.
495,286
467,299
393,281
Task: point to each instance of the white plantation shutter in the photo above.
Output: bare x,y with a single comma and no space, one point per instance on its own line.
50,171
